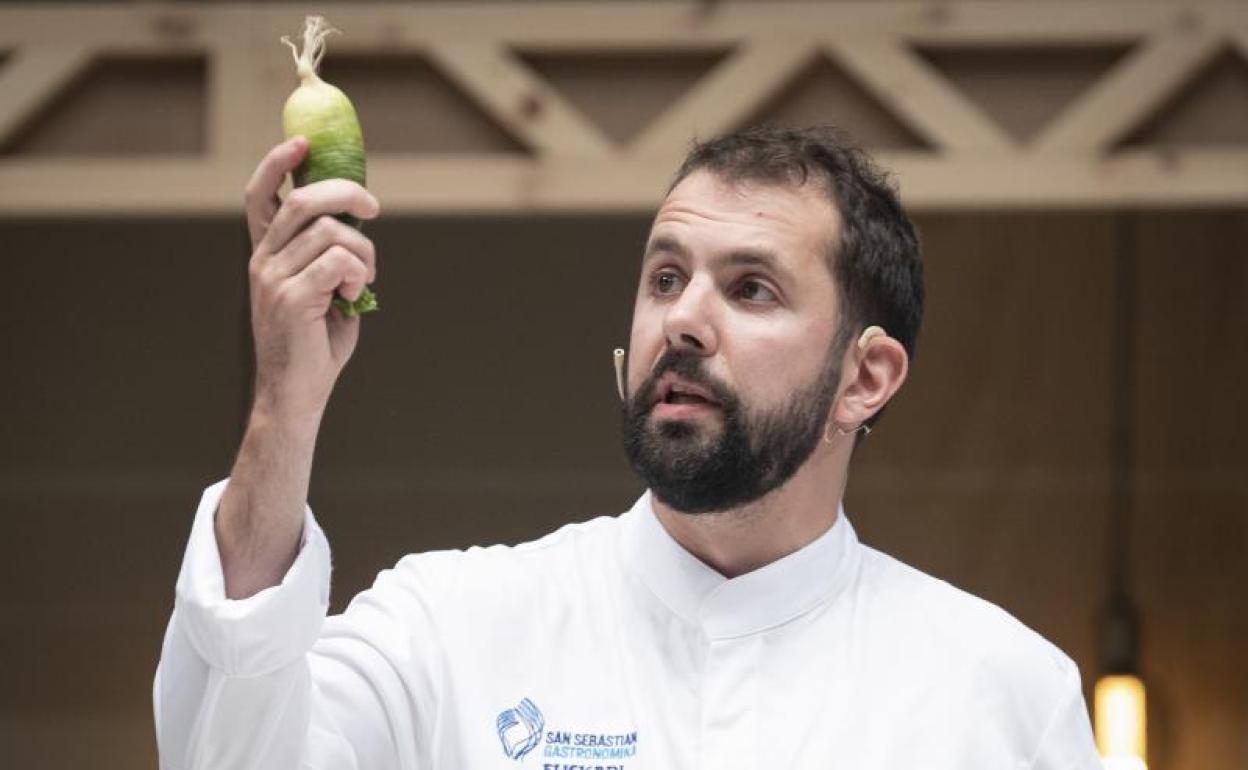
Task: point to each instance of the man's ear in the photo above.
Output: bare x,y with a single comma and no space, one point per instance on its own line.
873,373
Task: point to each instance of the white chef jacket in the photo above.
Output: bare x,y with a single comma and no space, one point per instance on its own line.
606,645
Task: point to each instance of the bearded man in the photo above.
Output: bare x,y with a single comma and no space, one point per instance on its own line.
729,619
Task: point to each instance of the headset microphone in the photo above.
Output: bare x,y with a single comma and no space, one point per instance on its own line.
618,356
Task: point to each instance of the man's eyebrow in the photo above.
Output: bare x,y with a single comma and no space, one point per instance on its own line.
664,245
759,258
743,257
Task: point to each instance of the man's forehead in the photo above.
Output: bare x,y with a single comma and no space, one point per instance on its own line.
797,212
708,182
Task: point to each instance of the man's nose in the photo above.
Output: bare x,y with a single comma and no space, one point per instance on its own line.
690,320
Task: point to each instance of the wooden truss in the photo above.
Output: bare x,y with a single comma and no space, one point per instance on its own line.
574,166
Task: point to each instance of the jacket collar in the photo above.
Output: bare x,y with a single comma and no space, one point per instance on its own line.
726,608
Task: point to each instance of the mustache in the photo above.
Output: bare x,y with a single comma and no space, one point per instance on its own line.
688,366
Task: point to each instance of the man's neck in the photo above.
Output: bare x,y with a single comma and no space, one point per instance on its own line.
743,539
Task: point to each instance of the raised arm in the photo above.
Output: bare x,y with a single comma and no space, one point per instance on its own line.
301,256
240,683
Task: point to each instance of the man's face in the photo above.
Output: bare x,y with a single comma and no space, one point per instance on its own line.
731,369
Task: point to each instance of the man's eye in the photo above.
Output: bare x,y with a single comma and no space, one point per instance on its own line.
756,291
666,283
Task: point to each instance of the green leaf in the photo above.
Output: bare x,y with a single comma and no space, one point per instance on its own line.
365,303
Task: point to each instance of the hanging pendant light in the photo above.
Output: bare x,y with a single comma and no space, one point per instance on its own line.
1119,699
1121,732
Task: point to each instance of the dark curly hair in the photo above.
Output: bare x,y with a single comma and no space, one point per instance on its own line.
876,262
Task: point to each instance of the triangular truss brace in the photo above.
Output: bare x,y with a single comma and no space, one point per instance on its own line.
964,157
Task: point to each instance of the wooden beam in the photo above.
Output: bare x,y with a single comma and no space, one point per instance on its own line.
916,93
726,96
568,24
518,99
1128,93
1144,178
1075,24
34,77
489,184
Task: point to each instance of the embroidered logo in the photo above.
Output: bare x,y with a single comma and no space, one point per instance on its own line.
520,729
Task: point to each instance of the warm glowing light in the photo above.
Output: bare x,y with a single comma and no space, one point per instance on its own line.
1120,722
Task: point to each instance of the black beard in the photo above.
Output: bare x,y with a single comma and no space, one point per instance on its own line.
694,471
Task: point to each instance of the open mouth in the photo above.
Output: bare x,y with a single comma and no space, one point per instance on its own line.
674,393
677,397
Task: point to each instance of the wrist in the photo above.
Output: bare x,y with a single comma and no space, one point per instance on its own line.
286,414
276,427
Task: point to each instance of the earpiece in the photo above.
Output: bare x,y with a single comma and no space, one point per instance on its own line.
868,334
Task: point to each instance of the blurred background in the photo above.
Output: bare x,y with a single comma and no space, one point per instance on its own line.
1073,428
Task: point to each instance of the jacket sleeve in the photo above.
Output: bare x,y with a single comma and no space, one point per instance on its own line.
269,681
1067,742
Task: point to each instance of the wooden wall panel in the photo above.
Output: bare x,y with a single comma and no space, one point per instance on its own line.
998,448
1190,548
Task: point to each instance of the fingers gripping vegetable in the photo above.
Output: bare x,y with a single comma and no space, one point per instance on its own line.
323,113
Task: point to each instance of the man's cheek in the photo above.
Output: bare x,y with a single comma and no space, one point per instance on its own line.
641,356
